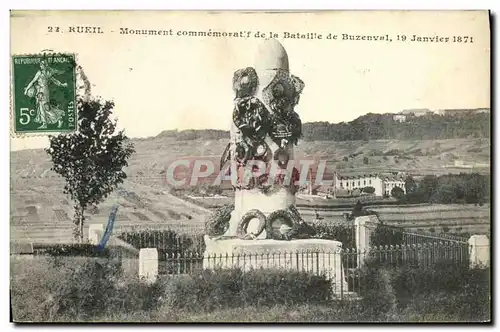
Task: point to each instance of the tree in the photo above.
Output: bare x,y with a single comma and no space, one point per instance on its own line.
444,194
357,209
397,192
427,187
365,160
410,185
92,159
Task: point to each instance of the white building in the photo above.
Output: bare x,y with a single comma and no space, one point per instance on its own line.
399,117
391,182
359,182
382,184
416,112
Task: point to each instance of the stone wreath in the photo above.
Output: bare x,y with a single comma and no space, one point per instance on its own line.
241,231
291,220
291,217
218,222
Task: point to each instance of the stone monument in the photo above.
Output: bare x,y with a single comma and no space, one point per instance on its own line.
263,220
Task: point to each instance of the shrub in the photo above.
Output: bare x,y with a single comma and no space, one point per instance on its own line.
228,288
369,190
30,299
164,239
379,297
338,232
85,290
82,289
385,288
383,235
74,249
460,296
397,193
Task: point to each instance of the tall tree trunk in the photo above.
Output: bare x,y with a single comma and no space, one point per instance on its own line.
78,221
82,219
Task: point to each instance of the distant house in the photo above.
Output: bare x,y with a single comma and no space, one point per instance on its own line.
359,182
416,112
383,184
399,117
392,181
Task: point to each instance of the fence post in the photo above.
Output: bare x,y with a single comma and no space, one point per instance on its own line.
95,233
148,264
479,251
362,238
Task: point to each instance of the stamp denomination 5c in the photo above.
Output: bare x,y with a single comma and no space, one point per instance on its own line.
44,94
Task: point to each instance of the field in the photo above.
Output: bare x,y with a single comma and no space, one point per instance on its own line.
40,212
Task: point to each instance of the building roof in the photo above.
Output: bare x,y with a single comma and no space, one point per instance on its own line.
354,176
417,110
383,176
392,177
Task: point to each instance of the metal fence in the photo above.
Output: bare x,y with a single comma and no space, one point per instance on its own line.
415,236
386,235
343,267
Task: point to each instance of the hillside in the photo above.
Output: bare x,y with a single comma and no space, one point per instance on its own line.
382,126
374,127
417,157
40,212
153,156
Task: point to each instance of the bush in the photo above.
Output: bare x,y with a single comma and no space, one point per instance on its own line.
383,235
74,249
461,294
338,232
165,240
379,297
81,289
385,288
369,190
228,288
397,192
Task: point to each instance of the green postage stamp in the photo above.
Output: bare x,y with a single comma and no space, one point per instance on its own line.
44,93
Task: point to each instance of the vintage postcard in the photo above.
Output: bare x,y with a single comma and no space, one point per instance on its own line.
171,166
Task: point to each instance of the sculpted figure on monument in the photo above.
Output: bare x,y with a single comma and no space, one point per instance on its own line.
265,129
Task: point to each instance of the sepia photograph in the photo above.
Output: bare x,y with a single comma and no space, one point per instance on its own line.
250,166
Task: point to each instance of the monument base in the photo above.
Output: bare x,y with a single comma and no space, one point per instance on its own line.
316,256
246,200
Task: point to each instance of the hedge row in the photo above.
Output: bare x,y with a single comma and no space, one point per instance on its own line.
391,290
98,289
209,290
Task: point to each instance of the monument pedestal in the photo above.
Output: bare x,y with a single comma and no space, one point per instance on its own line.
316,256
246,200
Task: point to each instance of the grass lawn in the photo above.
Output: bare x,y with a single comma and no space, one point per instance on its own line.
277,314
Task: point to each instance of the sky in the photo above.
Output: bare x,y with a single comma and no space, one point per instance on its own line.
182,82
